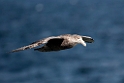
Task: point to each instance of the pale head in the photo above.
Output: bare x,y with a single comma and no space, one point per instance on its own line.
79,40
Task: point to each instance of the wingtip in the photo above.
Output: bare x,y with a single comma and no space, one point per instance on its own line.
9,52
88,39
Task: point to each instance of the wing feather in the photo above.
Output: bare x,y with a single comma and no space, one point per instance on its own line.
34,44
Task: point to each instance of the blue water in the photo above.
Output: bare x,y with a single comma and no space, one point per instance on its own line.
25,21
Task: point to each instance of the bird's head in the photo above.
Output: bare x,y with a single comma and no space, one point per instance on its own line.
83,39
79,39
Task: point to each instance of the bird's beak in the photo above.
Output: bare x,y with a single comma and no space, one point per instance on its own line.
83,43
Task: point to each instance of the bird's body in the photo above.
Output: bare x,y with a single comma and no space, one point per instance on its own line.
57,43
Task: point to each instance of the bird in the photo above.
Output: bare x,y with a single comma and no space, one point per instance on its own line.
57,43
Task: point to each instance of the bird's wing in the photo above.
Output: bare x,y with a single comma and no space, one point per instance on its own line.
87,39
34,44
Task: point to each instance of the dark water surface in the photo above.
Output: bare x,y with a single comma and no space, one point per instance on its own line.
24,21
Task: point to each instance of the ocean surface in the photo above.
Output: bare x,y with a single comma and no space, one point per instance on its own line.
25,21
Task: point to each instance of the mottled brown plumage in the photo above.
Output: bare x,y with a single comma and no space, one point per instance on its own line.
56,43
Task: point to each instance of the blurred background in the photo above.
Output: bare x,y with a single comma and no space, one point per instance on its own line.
25,21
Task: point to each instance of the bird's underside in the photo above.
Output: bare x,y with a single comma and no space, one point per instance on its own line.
52,48
54,45
57,43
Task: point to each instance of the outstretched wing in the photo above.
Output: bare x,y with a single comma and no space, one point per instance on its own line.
34,44
87,39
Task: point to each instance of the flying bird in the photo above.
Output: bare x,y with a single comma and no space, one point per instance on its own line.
57,43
